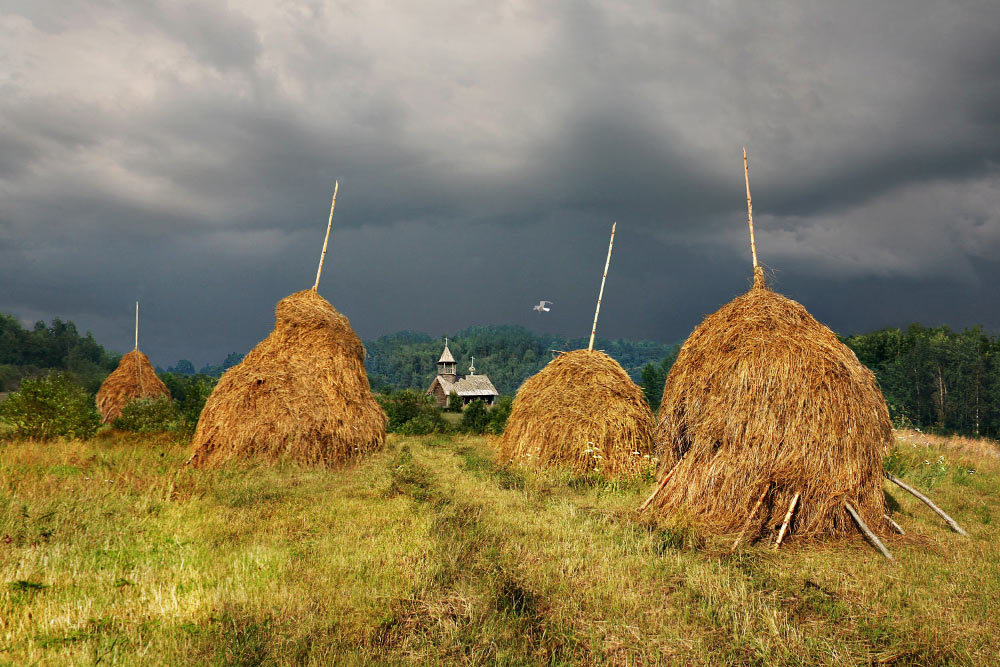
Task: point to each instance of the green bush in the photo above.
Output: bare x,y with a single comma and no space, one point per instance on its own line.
454,403
190,393
499,414
148,415
50,407
412,413
475,418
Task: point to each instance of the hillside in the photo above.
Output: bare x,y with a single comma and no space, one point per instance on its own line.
433,552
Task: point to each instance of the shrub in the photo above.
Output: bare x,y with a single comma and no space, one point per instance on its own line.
475,418
411,413
499,414
148,415
454,403
50,407
190,393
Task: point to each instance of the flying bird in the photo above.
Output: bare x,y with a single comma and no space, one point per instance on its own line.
542,307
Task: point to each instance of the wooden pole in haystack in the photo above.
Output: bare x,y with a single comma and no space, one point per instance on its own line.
895,526
872,537
329,224
927,501
593,330
663,483
746,177
788,517
137,325
753,512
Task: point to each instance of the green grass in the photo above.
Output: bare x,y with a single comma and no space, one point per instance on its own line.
112,552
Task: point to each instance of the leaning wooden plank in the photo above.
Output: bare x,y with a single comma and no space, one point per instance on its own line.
927,501
872,537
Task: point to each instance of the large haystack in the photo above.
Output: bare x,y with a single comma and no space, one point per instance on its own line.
765,402
301,394
582,411
134,378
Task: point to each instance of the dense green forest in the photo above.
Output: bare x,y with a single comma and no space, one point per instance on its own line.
507,354
27,352
932,377
936,377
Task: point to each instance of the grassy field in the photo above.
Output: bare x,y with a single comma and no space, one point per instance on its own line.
430,552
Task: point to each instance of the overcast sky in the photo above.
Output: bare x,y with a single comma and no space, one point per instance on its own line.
184,153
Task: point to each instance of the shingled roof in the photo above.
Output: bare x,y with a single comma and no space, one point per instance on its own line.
468,385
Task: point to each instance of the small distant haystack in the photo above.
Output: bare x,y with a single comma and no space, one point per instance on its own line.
764,403
134,378
582,411
301,394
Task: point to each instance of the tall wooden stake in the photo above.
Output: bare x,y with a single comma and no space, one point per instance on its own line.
333,204
593,330
746,177
137,325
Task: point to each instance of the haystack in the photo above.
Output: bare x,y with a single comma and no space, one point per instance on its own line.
764,403
134,378
768,420
581,411
301,394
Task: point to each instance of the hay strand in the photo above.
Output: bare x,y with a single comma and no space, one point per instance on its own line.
134,378
600,295
788,518
927,501
301,394
329,224
581,411
872,537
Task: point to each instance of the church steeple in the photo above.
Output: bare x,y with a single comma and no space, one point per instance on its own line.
446,364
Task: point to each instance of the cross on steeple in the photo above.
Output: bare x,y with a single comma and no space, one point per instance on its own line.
446,364
472,367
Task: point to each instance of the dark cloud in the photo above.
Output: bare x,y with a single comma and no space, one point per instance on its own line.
184,154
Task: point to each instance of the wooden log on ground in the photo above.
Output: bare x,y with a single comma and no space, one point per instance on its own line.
872,537
927,501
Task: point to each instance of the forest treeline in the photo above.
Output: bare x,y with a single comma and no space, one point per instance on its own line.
507,354
932,377
28,352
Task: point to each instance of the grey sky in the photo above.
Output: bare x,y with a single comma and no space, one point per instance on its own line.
184,153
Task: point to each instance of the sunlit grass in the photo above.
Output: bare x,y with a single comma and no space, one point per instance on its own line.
430,551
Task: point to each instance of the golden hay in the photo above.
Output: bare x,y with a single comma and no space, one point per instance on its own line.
581,400
765,401
301,394
134,378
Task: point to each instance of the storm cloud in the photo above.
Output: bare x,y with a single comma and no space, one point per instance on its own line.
184,154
